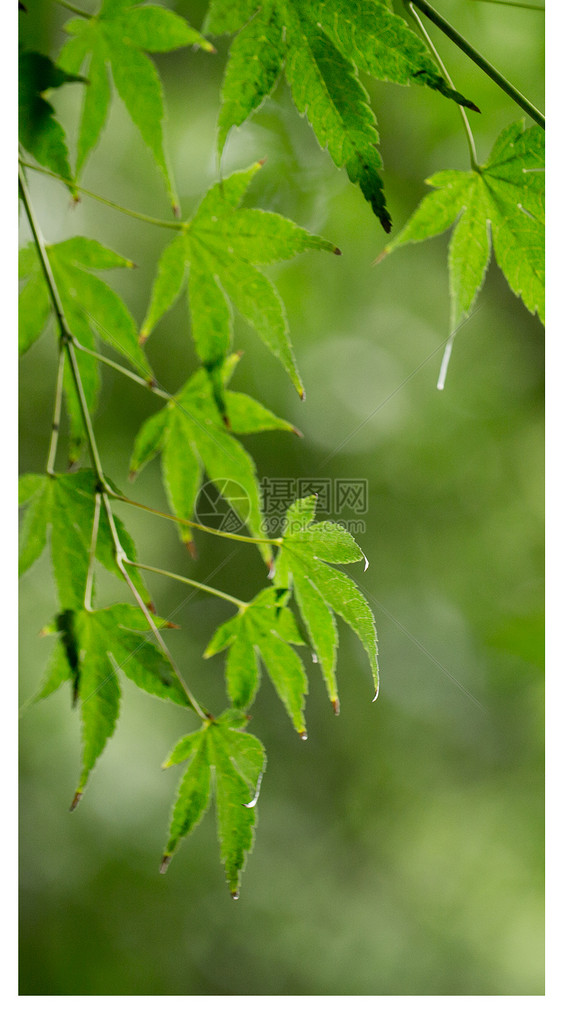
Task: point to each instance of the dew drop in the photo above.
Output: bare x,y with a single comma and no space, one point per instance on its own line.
314,657
303,735
235,895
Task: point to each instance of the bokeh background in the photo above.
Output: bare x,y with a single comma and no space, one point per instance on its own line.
400,849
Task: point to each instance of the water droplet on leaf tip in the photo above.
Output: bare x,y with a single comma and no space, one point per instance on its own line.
303,735
235,895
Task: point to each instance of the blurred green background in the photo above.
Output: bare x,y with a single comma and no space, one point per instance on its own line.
400,849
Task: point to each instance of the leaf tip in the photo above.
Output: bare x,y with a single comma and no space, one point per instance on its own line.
132,475
337,251
75,801
376,695
296,431
301,393
143,337
191,548
335,705
261,162
235,894
176,210
381,256
166,859
303,734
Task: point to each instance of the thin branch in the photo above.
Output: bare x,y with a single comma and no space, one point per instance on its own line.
480,61
188,580
68,342
461,109
44,258
104,200
55,425
85,412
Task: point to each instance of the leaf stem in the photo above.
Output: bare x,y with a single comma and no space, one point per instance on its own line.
55,426
195,524
480,61
446,75
75,10
188,580
104,200
122,369
121,560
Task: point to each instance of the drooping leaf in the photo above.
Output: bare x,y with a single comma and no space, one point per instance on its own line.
93,650
92,310
502,203
321,590
40,133
222,245
64,506
192,438
227,763
118,37
267,627
320,45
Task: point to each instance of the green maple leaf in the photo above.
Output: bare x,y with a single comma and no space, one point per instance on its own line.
501,202
227,763
320,590
320,46
94,648
63,507
266,628
192,437
91,308
40,133
222,245
118,37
